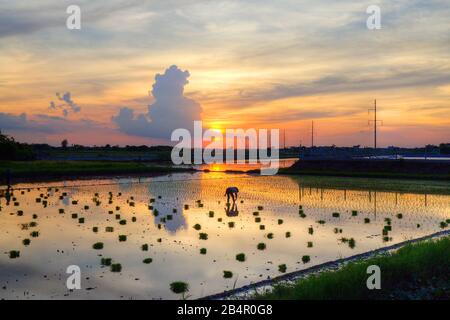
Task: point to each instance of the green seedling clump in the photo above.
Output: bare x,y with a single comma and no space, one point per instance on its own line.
366,220
261,246
203,236
354,213
240,257
97,246
122,238
144,247
227,274
197,226
26,242
335,214
203,251
106,261
13,254
179,287
116,267
282,268
147,260
306,259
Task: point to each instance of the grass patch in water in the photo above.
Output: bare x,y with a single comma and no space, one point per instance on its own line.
306,259
197,226
261,246
203,251
123,222
399,216
147,260
287,234
354,213
335,214
227,274
13,254
240,257
98,246
26,242
179,287
262,227
144,247
270,235
106,261
282,268
366,220
116,267
122,238
203,236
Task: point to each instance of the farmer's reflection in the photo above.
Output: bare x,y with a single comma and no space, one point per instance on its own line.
231,210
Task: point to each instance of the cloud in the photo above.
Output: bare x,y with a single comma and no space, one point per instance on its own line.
67,104
44,124
171,109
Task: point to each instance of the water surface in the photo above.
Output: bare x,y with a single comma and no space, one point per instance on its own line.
182,201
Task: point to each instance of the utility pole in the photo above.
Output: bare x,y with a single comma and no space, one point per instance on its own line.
312,133
284,138
375,124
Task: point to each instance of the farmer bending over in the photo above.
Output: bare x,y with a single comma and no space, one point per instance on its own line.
231,191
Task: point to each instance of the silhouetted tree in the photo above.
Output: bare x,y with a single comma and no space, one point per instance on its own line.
64,143
12,150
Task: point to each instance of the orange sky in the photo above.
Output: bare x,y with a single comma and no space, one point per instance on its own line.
250,64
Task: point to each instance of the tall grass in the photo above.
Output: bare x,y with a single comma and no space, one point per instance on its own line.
412,263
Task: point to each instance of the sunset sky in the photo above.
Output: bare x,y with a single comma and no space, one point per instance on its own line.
234,64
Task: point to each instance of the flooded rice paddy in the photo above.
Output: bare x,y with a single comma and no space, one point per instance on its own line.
132,238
